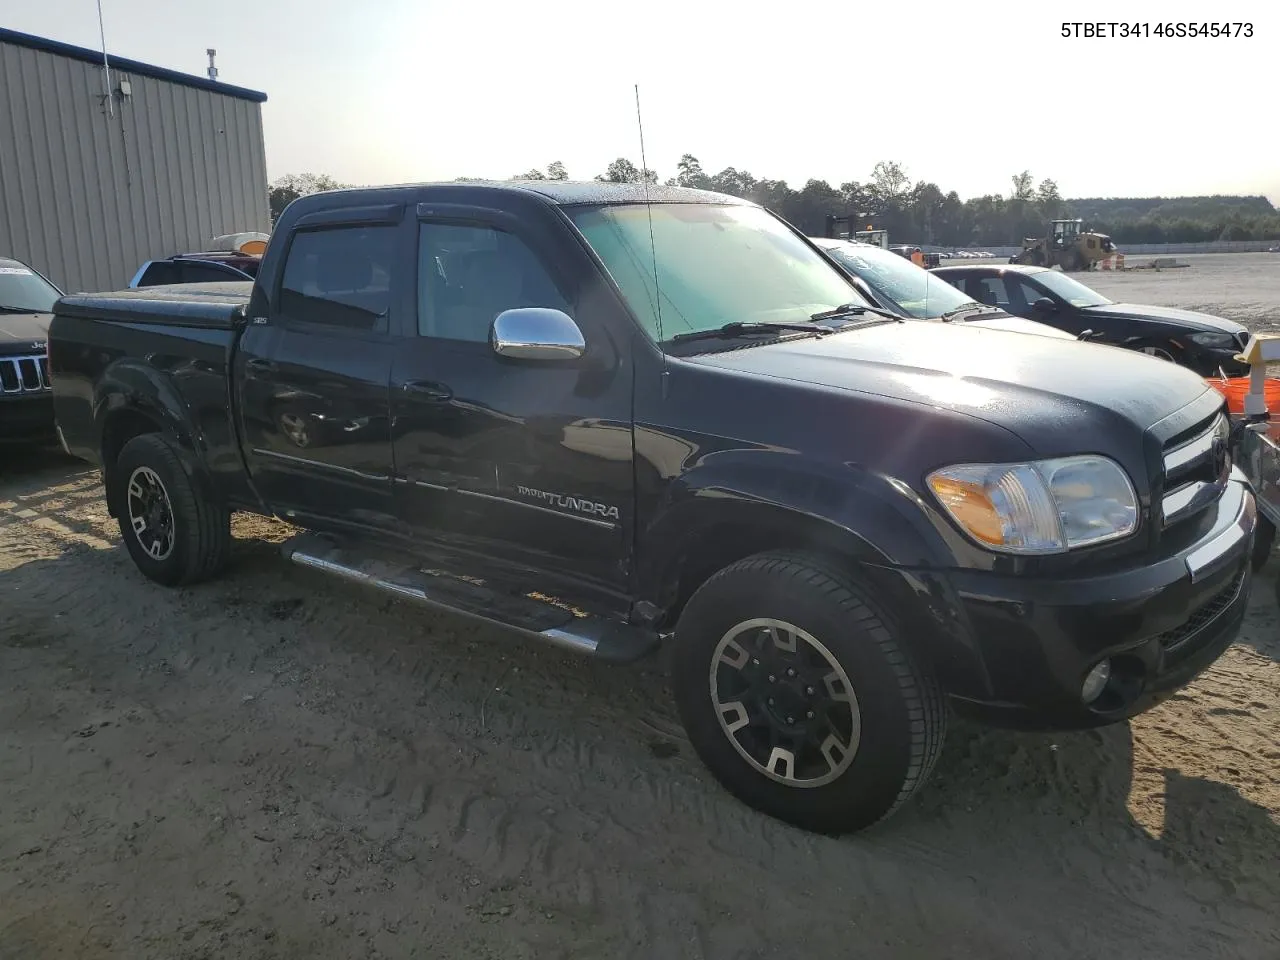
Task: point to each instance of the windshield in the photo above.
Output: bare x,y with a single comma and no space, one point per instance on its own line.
23,289
915,290
716,264
1072,291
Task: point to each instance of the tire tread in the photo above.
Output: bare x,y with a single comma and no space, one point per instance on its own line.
206,520
925,703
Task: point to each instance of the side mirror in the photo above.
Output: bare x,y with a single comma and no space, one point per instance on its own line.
1044,305
536,333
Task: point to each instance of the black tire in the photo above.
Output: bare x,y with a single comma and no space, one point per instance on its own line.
200,527
1263,541
901,714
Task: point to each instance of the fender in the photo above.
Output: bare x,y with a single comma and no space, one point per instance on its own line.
869,518
740,502
131,384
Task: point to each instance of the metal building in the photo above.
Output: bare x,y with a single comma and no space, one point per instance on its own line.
92,185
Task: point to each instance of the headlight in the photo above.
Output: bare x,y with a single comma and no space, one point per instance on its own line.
1047,506
1218,341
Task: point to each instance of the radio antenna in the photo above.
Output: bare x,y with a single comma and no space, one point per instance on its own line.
653,250
106,65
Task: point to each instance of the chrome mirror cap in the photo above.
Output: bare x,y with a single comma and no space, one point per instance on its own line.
536,333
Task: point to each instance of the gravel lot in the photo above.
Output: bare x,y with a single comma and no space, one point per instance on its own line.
276,766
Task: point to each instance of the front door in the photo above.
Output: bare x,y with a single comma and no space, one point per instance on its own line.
313,377
519,461
1065,317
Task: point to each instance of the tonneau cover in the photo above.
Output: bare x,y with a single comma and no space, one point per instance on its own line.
215,305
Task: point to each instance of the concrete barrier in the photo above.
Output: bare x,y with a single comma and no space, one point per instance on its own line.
1161,263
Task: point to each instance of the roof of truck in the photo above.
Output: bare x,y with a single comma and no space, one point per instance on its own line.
596,191
570,192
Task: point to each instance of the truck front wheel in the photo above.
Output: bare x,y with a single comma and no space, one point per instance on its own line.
172,530
799,697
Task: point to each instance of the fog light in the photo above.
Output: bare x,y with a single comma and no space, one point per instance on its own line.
1095,682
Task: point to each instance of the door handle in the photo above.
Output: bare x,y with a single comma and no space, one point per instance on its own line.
428,390
259,365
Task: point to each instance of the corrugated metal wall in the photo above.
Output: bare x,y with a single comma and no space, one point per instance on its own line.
86,197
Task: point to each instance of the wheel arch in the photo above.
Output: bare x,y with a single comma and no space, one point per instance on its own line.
898,563
131,401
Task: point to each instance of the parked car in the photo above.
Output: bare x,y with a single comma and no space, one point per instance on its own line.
841,521
26,400
196,268
892,283
1199,341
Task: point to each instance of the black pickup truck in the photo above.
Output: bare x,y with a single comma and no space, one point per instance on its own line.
506,401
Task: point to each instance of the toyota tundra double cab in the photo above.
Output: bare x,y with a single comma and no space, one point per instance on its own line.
613,417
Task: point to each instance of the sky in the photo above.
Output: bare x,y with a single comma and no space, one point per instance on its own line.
961,94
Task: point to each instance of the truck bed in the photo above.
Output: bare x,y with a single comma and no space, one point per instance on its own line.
166,352
214,305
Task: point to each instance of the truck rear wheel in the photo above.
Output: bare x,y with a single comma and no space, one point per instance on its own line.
172,530
800,698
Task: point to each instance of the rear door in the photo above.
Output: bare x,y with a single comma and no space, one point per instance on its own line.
312,375
523,462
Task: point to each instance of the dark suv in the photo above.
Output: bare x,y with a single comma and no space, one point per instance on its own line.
26,400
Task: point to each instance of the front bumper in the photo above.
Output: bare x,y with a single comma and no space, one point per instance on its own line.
1161,625
27,419
1215,361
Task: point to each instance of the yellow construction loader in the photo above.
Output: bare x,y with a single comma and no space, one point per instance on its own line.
1066,245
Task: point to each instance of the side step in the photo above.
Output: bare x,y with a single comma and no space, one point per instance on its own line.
469,597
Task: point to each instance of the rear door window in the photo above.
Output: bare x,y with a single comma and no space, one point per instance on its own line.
339,277
208,273
991,291
160,272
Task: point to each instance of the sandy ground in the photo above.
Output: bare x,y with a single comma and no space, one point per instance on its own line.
273,765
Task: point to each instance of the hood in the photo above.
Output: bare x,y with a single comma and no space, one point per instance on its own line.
1018,325
22,331
1171,315
1058,396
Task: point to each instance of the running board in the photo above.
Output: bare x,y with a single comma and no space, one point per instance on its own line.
473,598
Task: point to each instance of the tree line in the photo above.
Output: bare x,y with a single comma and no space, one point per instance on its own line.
920,212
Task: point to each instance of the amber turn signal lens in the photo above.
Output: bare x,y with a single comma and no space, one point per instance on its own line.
970,505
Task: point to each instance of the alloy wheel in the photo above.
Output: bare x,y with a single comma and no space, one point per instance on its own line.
785,702
150,513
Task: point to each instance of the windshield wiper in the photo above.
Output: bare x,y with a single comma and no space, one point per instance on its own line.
855,310
971,307
5,308
739,328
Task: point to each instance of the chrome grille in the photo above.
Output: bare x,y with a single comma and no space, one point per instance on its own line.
1196,470
24,374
